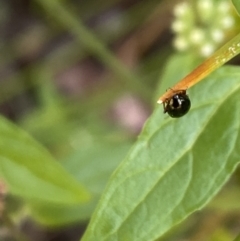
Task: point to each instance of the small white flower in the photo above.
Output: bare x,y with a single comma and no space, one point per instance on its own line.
180,9
207,49
200,25
205,10
197,36
180,43
178,26
205,5
227,22
217,35
223,7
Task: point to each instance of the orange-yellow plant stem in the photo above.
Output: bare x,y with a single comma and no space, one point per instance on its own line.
220,57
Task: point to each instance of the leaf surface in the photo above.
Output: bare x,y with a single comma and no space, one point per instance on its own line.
236,4
31,172
92,166
177,165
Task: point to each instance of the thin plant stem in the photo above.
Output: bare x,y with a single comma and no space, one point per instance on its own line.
220,57
72,23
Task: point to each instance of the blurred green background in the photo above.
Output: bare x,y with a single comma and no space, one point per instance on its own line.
82,77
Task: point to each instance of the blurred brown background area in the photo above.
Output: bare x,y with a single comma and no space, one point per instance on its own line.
132,30
45,61
53,83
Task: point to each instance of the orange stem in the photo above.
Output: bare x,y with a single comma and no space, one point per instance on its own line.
220,57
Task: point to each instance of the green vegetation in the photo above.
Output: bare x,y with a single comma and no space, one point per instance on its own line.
75,154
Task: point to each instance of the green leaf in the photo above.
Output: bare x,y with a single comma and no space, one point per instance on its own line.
91,165
30,171
236,4
60,215
176,166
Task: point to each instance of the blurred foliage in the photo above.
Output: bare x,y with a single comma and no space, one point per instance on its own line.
81,77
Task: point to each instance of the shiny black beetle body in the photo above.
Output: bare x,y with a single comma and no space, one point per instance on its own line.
178,105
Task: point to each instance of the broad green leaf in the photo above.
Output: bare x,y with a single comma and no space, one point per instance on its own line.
91,165
236,4
176,166
30,171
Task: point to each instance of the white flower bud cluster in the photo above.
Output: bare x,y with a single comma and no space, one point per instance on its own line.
202,25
